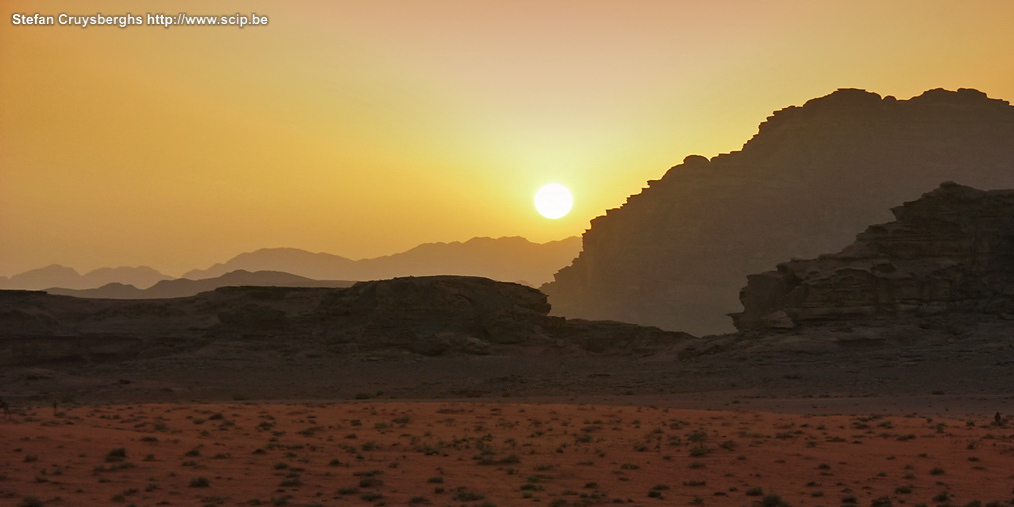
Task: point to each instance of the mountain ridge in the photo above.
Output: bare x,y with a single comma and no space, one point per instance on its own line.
509,258
185,287
58,275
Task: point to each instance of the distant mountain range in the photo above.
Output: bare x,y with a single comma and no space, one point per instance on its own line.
511,259
62,276
508,259
184,287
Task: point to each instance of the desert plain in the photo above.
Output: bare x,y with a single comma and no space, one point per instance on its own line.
565,429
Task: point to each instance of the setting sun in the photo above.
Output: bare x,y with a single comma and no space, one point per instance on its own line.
553,201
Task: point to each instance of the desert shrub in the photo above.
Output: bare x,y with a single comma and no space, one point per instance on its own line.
697,436
118,454
199,482
773,501
370,482
699,451
463,495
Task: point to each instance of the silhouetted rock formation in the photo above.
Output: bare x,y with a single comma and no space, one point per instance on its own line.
675,255
425,315
951,250
183,287
506,259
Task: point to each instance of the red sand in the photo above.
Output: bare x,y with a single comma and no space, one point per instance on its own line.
453,453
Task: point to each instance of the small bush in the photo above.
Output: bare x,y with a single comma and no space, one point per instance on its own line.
291,483
200,482
773,501
699,451
370,482
468,496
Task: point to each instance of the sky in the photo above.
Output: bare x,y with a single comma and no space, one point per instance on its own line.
364,128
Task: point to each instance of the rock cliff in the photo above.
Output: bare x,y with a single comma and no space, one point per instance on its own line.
424,315
675,255
951,250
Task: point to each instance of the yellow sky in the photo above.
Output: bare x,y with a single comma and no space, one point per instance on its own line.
365,128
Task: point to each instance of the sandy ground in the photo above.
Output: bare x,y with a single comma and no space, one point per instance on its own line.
483,453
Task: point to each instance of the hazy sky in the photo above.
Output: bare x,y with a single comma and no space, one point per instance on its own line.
363,128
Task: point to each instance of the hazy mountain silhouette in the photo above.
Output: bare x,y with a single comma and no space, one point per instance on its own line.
61,276
510,259
676,254
184,287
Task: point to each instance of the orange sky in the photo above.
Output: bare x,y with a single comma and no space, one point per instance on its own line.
365,128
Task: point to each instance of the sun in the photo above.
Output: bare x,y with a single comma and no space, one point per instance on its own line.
553,201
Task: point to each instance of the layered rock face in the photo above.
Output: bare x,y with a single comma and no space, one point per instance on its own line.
424,315
951,250
675,255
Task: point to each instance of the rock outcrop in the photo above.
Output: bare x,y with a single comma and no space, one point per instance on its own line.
950,251
675,255
423,315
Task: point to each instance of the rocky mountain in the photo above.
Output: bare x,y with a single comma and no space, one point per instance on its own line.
62,276
950,251
511,259
183,287
423,315
675,255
